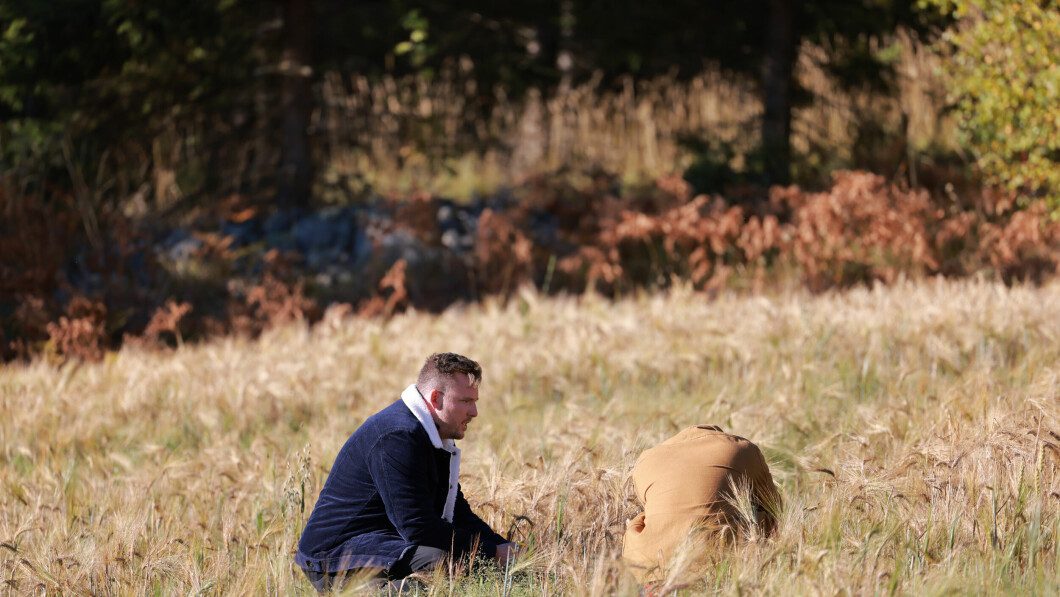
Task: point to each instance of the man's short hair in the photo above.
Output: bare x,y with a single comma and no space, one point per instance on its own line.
442,365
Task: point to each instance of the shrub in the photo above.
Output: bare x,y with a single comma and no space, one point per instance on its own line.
166,322
1004,75
502,255
861,230
391,296
561,234
81,332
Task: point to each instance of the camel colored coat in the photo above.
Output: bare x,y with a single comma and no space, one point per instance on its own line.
685,484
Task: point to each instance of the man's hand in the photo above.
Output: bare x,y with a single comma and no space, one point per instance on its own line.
506,553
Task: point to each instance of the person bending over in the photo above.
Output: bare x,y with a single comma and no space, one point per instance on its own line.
686,487
392,503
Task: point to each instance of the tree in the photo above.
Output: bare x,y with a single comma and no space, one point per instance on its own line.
88,86
845,28
753,38
781,49
295,175
1004,73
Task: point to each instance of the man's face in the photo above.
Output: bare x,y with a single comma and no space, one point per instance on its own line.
454,408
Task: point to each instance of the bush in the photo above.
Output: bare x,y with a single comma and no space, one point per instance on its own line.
561,235
1004,76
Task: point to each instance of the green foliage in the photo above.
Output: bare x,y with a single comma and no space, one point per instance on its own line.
84,79
1005,80
416,46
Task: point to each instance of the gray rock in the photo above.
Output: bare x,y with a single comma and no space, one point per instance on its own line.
242,234
311,232
452,240
361,247
333,228
182,250
281,240
321,259
435,278
279,222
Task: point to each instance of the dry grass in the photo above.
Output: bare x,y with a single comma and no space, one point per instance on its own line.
913,431
402,135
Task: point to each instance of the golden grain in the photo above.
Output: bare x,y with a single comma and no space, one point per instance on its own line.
913,430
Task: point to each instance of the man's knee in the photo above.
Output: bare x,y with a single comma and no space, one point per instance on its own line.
426,558
418,559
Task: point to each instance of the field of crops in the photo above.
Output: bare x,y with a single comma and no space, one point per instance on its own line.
914,431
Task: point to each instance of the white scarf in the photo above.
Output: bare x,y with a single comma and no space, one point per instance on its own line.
418,405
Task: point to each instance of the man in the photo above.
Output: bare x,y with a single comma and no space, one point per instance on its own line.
686,486
392,503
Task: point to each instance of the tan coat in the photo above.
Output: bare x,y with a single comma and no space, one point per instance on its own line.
684,484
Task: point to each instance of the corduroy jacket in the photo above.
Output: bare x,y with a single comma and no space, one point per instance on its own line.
385,495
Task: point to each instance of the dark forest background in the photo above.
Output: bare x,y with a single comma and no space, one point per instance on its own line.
173,170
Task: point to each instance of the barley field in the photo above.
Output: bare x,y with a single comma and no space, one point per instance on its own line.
914,431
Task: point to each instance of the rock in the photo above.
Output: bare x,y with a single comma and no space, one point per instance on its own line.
435,278
281,241
325,229
451,239
180,246
446,213
458,226
311,232
361,247
241,233
320,260
401,244
280,221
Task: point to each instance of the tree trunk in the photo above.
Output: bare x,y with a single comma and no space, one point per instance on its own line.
782,42
295,173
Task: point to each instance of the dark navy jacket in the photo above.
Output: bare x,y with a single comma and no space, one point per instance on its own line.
385,495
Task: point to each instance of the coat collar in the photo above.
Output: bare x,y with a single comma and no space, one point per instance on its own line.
416,403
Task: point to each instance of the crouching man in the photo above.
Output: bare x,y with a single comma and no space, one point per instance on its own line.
392,503
688,486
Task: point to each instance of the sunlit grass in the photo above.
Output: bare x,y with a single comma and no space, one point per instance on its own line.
913,430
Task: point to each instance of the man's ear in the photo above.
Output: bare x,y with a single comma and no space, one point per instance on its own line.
435,398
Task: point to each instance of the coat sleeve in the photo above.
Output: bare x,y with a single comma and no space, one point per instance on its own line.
469,525
400,472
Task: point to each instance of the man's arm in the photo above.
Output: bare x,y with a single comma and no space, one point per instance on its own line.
469,524
400,473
